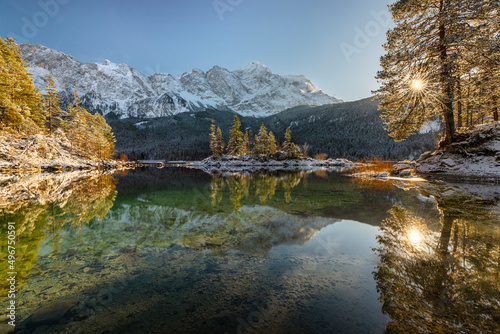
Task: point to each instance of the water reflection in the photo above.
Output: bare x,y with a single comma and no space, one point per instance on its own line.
441,276
263,186
43,207
189,252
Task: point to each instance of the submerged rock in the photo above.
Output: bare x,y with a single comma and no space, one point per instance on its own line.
51,313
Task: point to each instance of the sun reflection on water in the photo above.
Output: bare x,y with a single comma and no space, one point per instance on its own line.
415,237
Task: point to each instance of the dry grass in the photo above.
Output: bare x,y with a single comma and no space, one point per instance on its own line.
321,156
372,184
374,165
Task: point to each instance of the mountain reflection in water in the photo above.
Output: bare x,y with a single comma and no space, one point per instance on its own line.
182,250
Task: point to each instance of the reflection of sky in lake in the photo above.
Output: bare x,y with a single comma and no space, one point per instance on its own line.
180,250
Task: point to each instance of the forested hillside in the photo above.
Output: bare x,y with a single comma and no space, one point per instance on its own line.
353,130
35,129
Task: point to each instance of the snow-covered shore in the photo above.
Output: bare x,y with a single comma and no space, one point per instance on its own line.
44,153
475,156
252,164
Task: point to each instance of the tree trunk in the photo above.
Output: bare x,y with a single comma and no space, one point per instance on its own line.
459,104
447,82
495,108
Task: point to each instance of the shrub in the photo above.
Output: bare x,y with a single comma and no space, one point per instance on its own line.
321,156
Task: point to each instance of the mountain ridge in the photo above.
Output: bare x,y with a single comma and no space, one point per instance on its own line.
253,90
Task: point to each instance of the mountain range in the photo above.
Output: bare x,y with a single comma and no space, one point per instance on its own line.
109,87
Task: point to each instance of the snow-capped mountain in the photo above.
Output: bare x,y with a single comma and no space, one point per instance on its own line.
252,90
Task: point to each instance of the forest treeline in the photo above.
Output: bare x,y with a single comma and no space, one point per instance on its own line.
25,111
352,130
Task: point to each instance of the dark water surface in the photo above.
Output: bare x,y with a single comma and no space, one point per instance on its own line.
180,251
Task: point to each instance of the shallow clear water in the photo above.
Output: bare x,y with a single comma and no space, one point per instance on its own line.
180,251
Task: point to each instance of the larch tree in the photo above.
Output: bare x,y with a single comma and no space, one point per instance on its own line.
246,143
262,141
212,138
291,149
51,109
102,136
272,145
220,144
20,99
235,144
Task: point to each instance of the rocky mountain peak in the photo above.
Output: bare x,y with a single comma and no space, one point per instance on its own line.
110,87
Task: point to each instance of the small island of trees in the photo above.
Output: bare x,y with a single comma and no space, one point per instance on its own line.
262,144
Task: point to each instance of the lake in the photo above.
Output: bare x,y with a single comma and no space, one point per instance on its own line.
176,250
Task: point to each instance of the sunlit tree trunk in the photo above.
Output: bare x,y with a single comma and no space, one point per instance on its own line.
446,80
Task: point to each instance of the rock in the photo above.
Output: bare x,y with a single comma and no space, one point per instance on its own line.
424,156
405,173
51,313
279,156
448,162
402,166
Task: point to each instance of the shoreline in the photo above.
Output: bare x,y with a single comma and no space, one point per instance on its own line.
253,164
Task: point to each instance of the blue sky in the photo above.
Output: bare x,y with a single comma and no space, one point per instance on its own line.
336,44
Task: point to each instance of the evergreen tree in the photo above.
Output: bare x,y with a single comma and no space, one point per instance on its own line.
246,143
219,149
262,141
212,138
102,137
19,97
235,144
435,55
51,108
273,147
290,148
89,135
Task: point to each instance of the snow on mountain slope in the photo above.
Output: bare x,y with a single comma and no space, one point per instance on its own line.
251,91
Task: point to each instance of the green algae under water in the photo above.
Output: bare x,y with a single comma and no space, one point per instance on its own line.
180,251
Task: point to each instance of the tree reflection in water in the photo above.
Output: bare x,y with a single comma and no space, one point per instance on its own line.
263,186
43,206
439,280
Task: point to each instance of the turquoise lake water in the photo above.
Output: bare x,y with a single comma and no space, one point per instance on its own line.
180,251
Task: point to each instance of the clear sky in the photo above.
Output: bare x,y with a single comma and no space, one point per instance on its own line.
336,44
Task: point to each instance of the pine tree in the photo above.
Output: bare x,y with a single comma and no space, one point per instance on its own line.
262,141
273,147
212,138
408,71
219,149
52,110
246,143
235,145
290,148
435,56
102,137
19,97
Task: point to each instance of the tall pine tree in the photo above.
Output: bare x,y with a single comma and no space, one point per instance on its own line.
19,97
212,138
262,141
290,148
435,57
235,145
51,109
220,145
